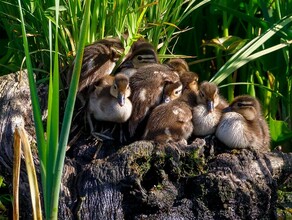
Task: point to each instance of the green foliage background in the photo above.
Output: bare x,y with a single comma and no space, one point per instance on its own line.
242,45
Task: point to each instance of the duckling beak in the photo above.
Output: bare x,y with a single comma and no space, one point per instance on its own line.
166,99
210,106
121,99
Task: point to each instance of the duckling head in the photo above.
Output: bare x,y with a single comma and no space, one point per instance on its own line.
120,88
142,52
190,80
172,91
208,95
178,64
248,106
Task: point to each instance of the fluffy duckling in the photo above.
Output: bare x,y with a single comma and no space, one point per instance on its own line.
99,59
147,90
146,51
110,101
243,126
172,91
189,81
172,122
141,54
207,113
178,64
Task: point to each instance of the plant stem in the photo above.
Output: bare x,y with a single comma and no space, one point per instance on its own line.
68,114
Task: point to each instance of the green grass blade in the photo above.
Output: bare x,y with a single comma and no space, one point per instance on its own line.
41,143
69,112
49,126
244,54
251,19
268,51
53,112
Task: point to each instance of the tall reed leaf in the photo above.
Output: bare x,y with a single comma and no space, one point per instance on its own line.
69,113
52,153
244,54
53,110
41,143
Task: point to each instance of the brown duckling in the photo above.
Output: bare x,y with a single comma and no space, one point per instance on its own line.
172,122
178,64
141,54
208,111
189,81
243,126
99,59
147,90
110,102
172,91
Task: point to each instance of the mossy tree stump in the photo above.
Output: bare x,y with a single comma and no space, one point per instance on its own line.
145,181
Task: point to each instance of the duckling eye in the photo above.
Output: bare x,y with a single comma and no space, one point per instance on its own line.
177,92
139,57
202,95
239,104
115,86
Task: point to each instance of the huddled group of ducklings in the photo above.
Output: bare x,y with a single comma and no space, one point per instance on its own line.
166,98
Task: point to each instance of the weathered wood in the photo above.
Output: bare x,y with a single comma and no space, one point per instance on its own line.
15,111
144,181
141,181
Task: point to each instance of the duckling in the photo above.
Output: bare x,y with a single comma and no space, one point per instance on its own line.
172,122
188,80
243,126
144,48
208,111
178,64
142,53
172,91
147,90
110,102
99,59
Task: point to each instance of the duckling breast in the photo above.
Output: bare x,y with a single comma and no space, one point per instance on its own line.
231,130
205,122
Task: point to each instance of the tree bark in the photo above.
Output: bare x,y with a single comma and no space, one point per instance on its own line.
15,111
145,181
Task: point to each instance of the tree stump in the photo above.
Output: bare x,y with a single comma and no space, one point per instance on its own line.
143,180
